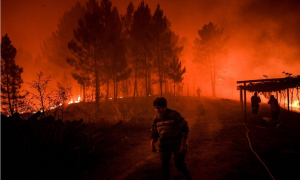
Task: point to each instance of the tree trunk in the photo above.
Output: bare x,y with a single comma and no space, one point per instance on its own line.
166,87
117,89
83,89
114,80
14,94
188,90
107,89
8,95
214,81
213,85
97,86
160,83
96,79
149,83
135,80
146,76
42,100
174,87
212,77
160,76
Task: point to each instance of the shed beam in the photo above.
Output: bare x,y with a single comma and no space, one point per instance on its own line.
245,107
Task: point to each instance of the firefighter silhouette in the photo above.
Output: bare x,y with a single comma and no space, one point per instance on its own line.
198,92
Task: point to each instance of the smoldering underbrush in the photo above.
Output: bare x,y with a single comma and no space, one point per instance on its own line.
105,113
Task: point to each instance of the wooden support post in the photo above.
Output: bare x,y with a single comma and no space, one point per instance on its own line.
245,105
277,95
241,99
288,99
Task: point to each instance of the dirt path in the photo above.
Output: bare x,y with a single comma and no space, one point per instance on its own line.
218,148
218,145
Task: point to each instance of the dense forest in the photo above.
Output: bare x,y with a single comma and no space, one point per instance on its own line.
110,56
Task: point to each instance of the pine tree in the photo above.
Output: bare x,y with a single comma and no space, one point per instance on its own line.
55,48
88,44
141,45
211,44
165,45
11,80
176,72
115,61
127,21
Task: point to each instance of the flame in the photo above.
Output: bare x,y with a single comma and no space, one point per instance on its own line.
71,102
53,107
78,100
295,105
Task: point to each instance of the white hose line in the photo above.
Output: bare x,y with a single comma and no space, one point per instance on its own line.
257,155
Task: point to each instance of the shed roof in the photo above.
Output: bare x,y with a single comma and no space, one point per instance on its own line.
270,85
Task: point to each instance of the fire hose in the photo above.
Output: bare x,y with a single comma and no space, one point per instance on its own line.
257,155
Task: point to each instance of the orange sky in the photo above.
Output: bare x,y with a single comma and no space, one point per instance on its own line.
29,23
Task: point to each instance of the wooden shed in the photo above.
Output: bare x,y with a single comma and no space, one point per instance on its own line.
277,85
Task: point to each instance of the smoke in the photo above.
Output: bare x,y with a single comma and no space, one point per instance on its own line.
264,35
246,22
